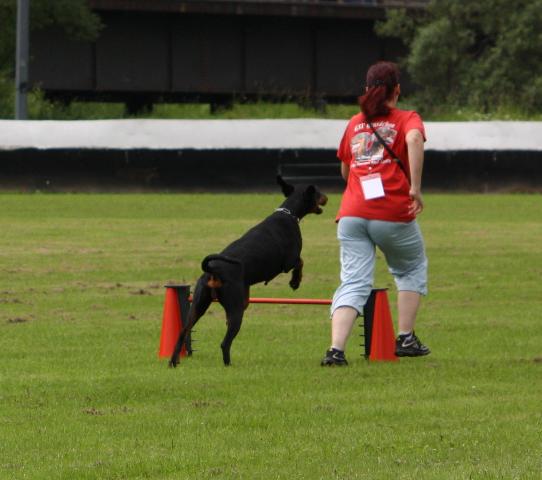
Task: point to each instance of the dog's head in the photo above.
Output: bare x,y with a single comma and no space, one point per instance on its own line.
302,199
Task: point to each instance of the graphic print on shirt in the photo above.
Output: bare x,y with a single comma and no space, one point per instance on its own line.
365,147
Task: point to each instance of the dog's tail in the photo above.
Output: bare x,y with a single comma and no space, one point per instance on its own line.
210,258
221,268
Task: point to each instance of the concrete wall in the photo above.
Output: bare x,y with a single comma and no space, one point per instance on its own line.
247,154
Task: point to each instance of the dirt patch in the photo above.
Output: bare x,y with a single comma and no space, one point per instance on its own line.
10,300
16,320
92,411
141,291
121,410
207,404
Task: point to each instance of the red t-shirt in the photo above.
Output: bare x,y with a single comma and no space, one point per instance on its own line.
362,151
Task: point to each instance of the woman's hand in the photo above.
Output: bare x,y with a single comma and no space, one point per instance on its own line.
414,140
416,204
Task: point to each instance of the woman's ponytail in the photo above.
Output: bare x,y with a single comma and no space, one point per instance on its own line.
382,77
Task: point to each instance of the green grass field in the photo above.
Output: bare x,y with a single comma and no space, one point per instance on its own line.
84,396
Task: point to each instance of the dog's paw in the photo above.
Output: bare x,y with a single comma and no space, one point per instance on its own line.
294,284
173,363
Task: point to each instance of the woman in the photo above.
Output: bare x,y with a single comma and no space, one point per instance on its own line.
381,155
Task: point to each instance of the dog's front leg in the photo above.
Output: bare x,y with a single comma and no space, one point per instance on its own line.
297,275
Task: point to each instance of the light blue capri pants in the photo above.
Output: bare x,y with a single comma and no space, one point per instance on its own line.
402,245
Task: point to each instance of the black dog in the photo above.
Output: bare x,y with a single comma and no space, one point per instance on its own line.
269,248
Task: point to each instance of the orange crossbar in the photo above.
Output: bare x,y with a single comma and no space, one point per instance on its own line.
296,301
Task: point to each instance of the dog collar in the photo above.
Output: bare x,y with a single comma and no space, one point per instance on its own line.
285,210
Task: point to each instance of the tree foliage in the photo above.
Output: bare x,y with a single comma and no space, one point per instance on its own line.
73,16
486,54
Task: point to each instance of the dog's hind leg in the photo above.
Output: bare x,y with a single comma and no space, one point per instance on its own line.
201,300
235,318
233,301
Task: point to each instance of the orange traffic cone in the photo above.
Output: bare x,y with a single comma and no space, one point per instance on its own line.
378,327
175,309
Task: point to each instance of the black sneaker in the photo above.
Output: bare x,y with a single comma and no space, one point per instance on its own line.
334,357
410,346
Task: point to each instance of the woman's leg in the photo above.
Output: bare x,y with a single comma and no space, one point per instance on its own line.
357,270
403,246
407,308
342,322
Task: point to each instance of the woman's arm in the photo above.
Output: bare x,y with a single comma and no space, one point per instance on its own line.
414,140
345,170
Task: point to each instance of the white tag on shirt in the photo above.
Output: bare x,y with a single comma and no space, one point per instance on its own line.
372,186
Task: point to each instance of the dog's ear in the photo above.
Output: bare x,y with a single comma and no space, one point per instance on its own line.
310,191
287,189
310,195
314,198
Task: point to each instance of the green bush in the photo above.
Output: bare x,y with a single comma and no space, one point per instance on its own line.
7,96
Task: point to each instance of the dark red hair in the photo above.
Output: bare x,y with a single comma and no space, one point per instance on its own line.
382,77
